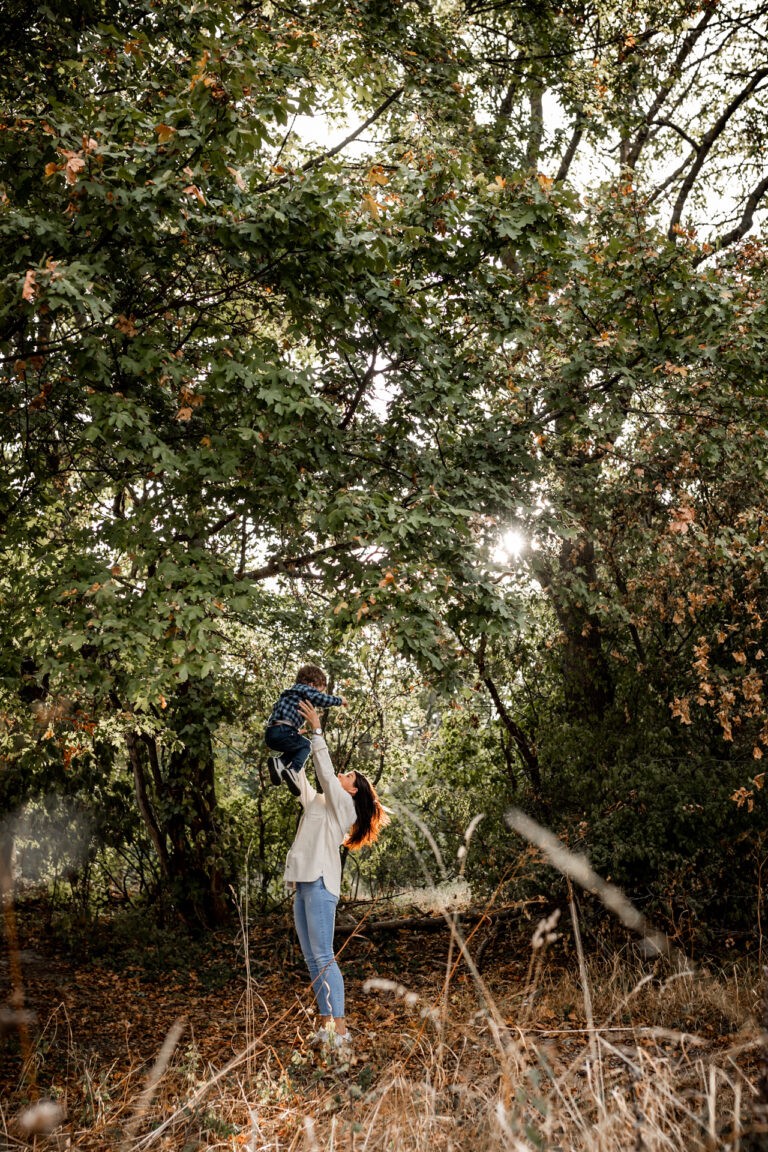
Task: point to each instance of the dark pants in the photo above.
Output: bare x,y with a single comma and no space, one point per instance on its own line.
292,748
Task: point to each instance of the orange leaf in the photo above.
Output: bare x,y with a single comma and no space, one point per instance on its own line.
126,325
193,190
238,178
184,414
371,206
75,163
28,291
164,132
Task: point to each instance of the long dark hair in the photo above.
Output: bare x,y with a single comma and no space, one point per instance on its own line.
371,817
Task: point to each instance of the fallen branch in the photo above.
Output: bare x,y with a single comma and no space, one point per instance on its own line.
435,923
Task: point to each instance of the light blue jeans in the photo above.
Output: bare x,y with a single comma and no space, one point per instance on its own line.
314,913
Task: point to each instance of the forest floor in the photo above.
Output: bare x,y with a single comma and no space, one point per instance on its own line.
514,1057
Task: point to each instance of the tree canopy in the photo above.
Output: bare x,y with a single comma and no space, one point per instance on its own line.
260,389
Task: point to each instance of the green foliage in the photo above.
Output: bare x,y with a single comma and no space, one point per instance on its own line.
261,400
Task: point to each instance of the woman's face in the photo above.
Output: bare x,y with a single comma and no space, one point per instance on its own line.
347,781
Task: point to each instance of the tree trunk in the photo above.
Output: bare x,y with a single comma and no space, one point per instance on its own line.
587,679
176,796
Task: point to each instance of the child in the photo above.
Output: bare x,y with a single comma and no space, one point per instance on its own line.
282,732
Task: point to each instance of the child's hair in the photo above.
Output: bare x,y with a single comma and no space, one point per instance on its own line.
312,675
371,816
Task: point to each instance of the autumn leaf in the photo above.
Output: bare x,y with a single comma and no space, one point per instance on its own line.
200,73
238,178
184,414
377,175
682,519
126,325
164,133
28,291
75,164
545,182
193,190
371,206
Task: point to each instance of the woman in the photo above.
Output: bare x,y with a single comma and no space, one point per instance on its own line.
346,812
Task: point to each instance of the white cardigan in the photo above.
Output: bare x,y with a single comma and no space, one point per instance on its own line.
327,818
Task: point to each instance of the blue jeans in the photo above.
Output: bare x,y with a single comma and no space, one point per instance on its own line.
314,913
293,748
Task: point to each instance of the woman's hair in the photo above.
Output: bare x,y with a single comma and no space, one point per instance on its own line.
312,675
371,816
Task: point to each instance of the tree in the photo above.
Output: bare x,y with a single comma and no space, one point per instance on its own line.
193,326
232,360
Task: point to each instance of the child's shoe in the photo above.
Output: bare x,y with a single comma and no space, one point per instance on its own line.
275,767
289,777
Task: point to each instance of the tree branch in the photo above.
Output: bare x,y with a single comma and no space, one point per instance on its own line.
317,160
705,147
361,389
527,750
744,224
286,566
570,152
632,151
676,128
145,808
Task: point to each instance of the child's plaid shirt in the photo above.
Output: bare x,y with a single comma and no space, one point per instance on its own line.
286,708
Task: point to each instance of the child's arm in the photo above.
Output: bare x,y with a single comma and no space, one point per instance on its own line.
319,699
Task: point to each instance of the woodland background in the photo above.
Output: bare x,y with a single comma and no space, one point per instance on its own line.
427,341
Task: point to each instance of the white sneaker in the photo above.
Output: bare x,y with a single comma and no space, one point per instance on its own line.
329,1038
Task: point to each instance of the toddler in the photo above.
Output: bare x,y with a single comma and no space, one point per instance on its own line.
282,732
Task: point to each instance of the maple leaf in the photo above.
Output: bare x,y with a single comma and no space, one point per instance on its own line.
371,206
377,175
164,132
75,163
193,190
28,291
682,519
238,178
545,182
126,325
184,414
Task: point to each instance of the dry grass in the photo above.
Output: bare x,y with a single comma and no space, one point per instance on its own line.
673,1061
549,1048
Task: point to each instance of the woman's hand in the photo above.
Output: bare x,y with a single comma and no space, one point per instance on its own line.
309,713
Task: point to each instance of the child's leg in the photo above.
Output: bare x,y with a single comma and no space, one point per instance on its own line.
293,748
297,758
